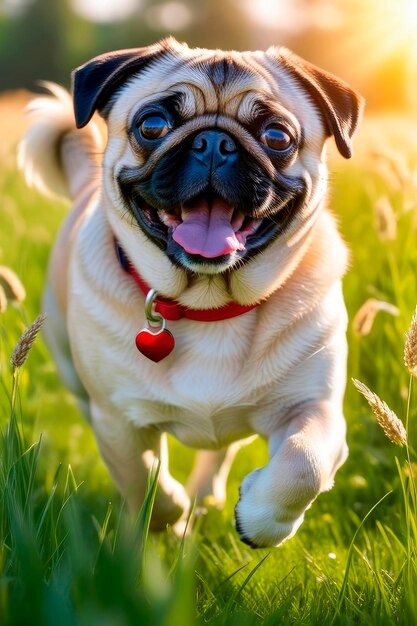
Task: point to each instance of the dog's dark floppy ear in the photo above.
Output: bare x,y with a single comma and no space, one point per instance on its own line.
94,82
339,104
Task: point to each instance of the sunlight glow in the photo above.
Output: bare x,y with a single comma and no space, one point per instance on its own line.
291,16
391,29
400,15
170,16
105,10
410,13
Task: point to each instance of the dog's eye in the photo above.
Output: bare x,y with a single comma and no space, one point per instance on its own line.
154,127
276,138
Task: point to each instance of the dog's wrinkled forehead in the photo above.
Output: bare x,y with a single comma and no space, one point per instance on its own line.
201,86
214,81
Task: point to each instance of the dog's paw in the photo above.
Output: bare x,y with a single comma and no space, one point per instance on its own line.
271,508
264,526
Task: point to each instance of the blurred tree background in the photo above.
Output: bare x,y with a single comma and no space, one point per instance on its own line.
370,43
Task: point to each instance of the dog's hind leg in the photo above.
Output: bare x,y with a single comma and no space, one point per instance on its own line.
210,472
130,454
209,475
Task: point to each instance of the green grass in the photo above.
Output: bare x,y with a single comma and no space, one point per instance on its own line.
69,554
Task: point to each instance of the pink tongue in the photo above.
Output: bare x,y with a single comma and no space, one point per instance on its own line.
207,230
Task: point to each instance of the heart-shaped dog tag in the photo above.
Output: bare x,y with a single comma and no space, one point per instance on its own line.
155,344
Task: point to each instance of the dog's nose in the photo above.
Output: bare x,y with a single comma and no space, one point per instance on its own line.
214,147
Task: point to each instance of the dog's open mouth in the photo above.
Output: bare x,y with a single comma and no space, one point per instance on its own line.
207,226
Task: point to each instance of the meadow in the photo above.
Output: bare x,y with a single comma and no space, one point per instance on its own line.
70,555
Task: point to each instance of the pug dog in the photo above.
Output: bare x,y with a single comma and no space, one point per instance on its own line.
195,287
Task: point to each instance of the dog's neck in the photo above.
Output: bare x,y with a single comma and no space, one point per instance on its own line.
173,310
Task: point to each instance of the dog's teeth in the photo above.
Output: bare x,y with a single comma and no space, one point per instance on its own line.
164,217
169,220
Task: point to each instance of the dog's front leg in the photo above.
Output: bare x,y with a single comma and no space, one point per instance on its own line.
129,454
305,454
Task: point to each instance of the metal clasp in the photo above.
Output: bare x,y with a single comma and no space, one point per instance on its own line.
155,320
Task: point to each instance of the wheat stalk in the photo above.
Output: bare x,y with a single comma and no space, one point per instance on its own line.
385,219
410,348
386,418
25,343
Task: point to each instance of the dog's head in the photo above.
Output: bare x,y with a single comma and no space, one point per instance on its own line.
216,155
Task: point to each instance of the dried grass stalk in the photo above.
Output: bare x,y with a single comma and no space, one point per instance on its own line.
386,418
385,219
392,166
25,343
410,348
12,285
363,321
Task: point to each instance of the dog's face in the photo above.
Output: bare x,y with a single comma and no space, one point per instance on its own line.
216,155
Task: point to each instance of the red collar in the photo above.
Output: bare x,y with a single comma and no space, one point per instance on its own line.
171,309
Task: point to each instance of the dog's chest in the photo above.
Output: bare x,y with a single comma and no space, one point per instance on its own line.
201,393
